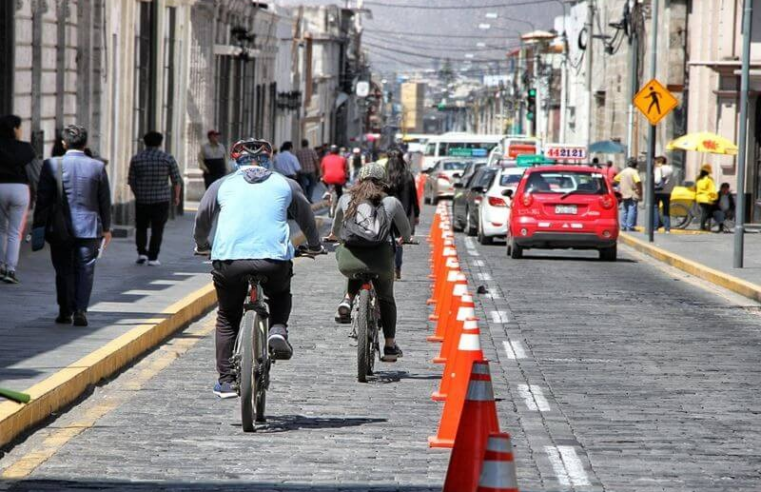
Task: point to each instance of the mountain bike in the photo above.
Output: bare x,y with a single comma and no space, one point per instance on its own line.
252,358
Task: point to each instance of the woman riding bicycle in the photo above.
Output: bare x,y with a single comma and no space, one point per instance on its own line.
359,214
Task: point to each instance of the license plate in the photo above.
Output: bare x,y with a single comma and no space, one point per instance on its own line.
565,209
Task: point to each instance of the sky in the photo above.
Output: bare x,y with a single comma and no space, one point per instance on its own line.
401,39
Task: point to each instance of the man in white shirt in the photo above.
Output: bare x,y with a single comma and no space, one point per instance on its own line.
286,163
663,178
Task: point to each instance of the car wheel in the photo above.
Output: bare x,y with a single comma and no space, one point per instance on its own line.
483,239
514,251
609,254
469,229
456,222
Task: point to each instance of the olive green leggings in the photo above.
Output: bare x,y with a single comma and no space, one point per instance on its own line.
379,261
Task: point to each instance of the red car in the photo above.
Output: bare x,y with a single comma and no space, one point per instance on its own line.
561,207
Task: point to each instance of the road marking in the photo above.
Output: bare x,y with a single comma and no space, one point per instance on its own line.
484,276
534,398
514,350
493,291
498,316
142,373
478,263
470,243
567,466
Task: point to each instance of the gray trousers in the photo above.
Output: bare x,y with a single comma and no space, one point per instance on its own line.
14,204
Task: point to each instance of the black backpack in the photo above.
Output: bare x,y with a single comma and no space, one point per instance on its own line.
370,227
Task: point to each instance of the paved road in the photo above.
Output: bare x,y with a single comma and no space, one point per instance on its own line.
611,377
622,376
158,426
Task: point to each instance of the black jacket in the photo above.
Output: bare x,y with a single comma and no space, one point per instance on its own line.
407,194
14,157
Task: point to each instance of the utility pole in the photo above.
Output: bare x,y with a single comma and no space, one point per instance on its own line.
633,82
564,89
650,191
742,153
590,38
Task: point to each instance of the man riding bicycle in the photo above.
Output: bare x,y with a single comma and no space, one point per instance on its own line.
251,208
359,211
335,170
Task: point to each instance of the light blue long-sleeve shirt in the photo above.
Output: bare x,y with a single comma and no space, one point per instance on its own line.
287,164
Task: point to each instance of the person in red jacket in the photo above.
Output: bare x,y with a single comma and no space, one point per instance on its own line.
335,170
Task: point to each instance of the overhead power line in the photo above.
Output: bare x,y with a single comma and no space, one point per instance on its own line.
442,46
442,36
458,7
431,57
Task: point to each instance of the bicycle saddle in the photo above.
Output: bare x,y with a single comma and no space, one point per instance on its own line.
257,279
364,276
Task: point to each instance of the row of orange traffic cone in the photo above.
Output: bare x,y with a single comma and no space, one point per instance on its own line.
482,458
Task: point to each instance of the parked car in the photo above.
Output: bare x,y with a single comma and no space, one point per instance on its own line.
467,198
441,178
494,211
563,206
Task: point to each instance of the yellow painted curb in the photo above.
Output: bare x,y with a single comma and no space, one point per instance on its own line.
66,385
69,383
729,282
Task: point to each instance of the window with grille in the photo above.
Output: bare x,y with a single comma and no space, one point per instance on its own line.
7,10
170,52
143,97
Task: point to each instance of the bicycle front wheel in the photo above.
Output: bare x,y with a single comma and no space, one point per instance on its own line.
363,319
261,368
246,379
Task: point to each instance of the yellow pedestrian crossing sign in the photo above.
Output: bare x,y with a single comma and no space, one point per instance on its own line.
655,101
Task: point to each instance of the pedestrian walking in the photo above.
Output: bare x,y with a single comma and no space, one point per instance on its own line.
212,159
630,187
150,172
16,157
86,201
663,180
401,185
707,198
610,172
286,163
357,161
309,163
726,203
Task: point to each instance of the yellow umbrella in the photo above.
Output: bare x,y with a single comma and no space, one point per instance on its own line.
704,142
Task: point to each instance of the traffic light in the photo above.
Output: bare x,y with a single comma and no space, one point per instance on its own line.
531,104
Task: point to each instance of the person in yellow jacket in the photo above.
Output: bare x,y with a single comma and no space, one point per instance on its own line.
707,196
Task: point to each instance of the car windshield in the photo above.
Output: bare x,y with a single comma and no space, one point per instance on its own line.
453,165
562,182
510,179
466,149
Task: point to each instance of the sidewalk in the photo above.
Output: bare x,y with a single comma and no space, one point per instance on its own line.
132,309
708,256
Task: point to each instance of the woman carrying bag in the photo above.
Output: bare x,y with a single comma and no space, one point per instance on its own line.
15,159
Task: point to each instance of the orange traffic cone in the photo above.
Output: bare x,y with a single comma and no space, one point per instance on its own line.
448,250
467,350
465,309
452,263
479,420
450,295
498,467
469,408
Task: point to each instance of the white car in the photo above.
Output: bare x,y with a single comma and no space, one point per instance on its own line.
494,210
441,178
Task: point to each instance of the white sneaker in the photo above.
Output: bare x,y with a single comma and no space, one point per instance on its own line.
154,263
141,260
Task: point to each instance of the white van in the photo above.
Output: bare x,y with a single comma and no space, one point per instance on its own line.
464,145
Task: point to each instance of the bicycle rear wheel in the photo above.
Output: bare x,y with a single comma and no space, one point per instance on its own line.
681,216
261,368
363,319
246,380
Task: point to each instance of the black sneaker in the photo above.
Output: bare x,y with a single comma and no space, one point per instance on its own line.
141,260
390,354
80,318
225,390
63,319
10,277
280,348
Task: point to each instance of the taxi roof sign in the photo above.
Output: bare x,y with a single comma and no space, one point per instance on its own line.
528,160
655,102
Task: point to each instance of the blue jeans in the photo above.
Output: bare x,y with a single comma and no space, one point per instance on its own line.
628,214
308,181
398,257
662,203
74,274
